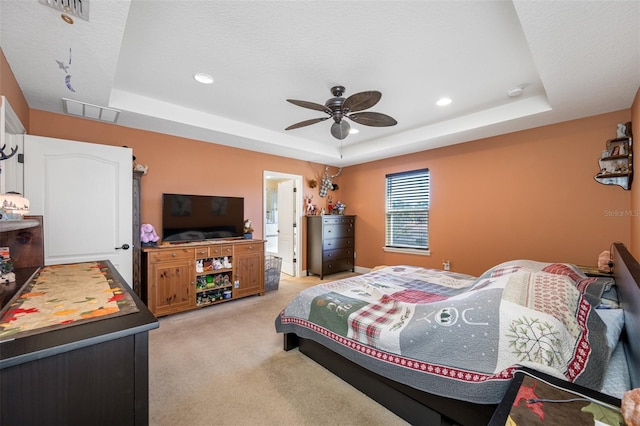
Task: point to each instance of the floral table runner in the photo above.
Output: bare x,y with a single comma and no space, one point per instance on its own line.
63,295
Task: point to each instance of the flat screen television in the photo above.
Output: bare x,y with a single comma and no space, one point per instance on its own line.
201,217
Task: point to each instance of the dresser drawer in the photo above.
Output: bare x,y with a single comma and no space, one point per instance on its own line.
337,231
329,255
337,243
337,220
221,250
248,248
171,254
337,266
202,252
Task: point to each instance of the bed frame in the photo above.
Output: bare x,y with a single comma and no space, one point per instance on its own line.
418,407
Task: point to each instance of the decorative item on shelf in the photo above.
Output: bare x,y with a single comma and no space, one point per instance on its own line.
148,235
141,168
622,130
339,208
248,229
13,206
6,266
311,208
138,167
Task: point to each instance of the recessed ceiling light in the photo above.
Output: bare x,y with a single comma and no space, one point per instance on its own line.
203,78
515,92
443,102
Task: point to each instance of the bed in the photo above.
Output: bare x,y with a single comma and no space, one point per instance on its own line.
371,330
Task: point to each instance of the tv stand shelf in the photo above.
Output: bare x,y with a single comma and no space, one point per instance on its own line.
184,276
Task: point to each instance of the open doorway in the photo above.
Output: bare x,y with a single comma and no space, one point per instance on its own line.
282,215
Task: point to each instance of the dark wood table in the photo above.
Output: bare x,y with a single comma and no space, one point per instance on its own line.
94,373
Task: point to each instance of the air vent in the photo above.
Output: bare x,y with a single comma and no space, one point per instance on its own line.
94,112
79,8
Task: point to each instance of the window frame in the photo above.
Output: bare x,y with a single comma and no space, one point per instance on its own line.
399,183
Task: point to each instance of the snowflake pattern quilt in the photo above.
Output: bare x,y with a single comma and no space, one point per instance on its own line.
455,335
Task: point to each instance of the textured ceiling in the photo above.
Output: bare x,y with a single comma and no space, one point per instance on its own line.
574,58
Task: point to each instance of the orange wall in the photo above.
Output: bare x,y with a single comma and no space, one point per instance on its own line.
529,194
10,89
634,246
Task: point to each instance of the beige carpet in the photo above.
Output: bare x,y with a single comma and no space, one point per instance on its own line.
224,365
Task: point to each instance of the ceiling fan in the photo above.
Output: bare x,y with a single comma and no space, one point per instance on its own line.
338,108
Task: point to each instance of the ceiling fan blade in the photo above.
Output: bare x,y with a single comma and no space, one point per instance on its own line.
374,119
340,130
306,123
361,101
310,105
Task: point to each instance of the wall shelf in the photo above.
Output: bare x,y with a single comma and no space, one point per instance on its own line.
616,162
14,225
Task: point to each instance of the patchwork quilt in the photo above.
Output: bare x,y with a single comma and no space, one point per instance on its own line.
456,335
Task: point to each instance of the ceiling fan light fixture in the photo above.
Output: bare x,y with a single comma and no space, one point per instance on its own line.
203,78
353,131
340,130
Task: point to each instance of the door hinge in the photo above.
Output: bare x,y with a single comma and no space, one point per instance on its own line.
20,158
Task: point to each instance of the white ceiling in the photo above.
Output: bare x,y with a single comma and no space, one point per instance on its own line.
576,59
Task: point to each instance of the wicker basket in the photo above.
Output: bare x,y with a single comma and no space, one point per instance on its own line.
272,265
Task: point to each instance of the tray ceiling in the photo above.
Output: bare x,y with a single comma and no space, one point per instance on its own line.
573,59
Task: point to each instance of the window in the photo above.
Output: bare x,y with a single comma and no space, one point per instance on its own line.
407,210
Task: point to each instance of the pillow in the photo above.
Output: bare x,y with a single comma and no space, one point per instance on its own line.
609,299
591,287
513,266
614,320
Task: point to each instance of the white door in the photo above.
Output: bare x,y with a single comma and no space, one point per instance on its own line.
83,191
286,225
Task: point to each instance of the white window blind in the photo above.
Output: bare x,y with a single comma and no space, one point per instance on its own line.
407,209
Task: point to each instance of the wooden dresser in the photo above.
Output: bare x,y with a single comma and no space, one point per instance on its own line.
330,244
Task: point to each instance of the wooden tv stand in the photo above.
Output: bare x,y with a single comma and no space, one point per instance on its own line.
173,281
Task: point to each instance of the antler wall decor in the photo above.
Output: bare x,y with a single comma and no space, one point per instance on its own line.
4,156
326,183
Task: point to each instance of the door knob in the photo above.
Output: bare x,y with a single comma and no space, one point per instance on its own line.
123,247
